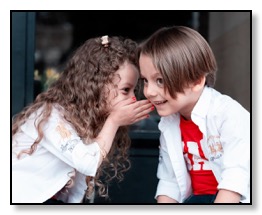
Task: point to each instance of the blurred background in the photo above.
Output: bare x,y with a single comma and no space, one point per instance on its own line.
42,41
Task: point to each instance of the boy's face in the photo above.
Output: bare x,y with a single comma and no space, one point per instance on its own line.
125,81
154,91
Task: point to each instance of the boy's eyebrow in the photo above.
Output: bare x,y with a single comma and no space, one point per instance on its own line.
155,75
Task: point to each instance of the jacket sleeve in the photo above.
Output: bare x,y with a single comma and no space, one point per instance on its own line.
61,140
235,138
167,184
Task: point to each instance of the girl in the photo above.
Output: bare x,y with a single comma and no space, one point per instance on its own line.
74,133
205,136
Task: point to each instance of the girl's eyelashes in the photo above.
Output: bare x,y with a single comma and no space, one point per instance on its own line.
125,90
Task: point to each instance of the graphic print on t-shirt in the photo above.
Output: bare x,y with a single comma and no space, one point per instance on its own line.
192,138
194,156
202,177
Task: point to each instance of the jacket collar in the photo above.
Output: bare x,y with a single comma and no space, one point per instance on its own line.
168,121
202,106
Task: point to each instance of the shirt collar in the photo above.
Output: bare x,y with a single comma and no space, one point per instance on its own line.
202,105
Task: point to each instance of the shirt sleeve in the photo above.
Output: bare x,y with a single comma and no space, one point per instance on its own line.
61,140
167,184
235,138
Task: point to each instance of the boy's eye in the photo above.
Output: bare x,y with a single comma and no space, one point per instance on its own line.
144,81
159,81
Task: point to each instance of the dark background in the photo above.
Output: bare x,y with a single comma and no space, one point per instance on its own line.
128,23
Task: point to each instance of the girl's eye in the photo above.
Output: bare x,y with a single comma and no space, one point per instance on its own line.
160,82
126,89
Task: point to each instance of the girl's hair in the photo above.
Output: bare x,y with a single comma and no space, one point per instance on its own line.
182,56
81,93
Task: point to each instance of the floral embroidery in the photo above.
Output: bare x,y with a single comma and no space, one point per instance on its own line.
215,147
67,144
64,133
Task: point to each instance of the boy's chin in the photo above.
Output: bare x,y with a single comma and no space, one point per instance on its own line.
162,113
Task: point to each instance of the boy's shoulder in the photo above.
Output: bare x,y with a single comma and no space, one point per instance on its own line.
210,102
222,103
217,98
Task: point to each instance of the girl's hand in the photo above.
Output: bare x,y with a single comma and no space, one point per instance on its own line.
130,111
122,113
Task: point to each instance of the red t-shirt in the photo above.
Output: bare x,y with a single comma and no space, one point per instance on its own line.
202,177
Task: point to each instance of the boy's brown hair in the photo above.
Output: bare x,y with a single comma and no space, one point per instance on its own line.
182,56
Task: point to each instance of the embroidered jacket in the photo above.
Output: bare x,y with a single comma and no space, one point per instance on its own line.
60,156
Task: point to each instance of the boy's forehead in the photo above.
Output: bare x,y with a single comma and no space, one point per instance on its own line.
146,64
152,74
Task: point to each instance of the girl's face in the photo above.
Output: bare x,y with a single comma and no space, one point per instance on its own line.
125,79
154,91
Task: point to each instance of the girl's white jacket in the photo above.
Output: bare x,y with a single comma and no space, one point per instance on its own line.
60,156
225,125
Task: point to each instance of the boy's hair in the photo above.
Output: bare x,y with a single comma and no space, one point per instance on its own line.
182,56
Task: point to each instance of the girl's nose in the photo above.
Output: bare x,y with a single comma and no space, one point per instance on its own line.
132,94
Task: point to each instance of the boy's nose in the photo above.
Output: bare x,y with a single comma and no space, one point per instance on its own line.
149,91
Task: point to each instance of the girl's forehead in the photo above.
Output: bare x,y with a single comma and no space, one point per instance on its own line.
127,73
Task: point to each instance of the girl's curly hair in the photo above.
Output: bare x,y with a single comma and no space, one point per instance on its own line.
80,91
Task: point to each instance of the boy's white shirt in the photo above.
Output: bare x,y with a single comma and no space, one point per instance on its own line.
60,155
223,121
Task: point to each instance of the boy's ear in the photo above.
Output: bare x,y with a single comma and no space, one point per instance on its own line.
199,84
